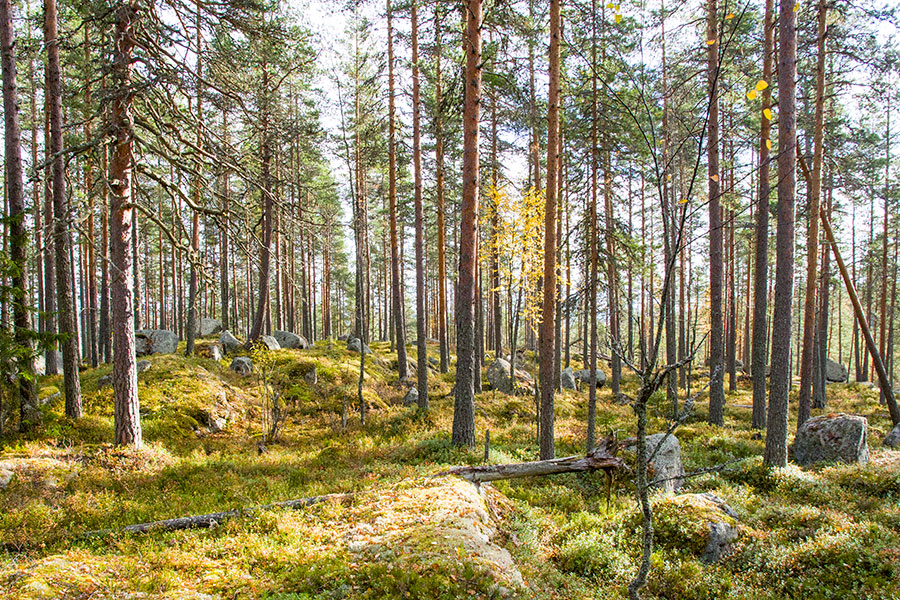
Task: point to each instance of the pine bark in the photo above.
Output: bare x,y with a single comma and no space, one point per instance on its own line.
464,402
421,334
777,427
125,391
62,225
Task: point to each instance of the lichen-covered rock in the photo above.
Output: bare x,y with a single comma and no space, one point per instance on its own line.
835,372
290,340
666,469
155,341
584,376
242,366
702,524
892,440
270,342
215,351
835,437
5,477
498,377
312,376
567,379
229,342
354,344
411,398
209,326
106,380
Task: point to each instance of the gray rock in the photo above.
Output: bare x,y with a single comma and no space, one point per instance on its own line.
155,341
835,372
106,380
5,477
270,342
584,376
498,376
721,532
892,440
343,338
837,437
312,376
209,326
666,468
286,339
411,398
355,345
567,379
143,365
216,352
229,342
50,398
217,424
242,366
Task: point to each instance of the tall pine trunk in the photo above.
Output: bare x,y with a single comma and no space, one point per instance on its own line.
421,334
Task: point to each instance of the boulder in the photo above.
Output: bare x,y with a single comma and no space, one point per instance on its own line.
584,376
412,397
215,351
498,377
666,470
242,366
835,372
229,342
722,521
155,341
354,344
270,342
5,477
290,340
835,437
567,379
209,326
892,440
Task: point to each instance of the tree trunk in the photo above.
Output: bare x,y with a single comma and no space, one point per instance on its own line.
716,371
62,226
812,241
193,317
761,275
125,391
18,235
421,334
267,209
777,427
464,404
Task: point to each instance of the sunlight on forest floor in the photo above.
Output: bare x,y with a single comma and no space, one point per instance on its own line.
828,532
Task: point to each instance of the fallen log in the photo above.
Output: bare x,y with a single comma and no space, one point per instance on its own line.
213,519
603,457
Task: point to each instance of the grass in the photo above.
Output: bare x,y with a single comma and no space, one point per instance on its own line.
832,531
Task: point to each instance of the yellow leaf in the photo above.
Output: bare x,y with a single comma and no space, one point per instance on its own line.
668,178
710,42
618,18
761,85
610,5
751,95
767,113
769,144
729,16
796,7
616,8
683,201
715,178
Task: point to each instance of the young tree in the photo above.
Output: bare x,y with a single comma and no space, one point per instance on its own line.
421,346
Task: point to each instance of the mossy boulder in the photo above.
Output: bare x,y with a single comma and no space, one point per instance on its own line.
832,438
702,524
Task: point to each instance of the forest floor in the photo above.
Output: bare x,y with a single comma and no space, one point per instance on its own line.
827,532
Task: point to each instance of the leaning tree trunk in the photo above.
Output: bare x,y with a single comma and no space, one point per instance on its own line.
777,428
62,227
125,392
18,235
464,404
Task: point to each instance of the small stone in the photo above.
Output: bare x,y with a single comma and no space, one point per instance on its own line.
312,376
289,340
242,366
498,376
217,424
411,398
567,379
50,398
666,468
355,345
584,376
104,380
835,372
893,438
5,477
143,365
50,482
229,342
216,352
836,437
